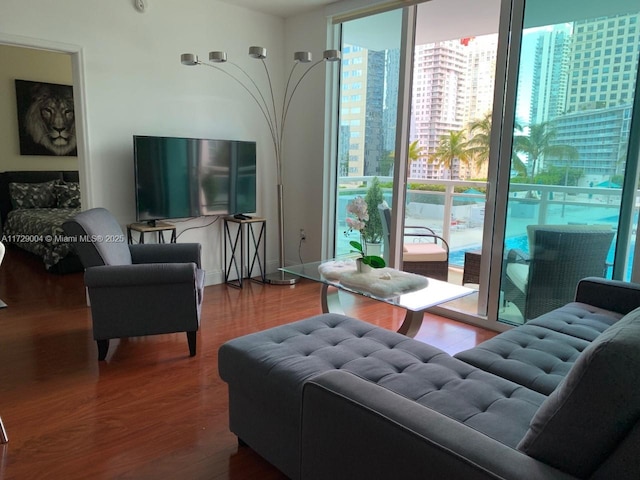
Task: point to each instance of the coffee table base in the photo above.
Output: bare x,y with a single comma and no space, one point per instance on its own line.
330,301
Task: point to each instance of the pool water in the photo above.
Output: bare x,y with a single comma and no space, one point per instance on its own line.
456,257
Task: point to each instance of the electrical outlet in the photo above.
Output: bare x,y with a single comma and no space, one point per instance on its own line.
303,235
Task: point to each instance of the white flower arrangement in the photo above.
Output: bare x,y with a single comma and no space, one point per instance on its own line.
357,208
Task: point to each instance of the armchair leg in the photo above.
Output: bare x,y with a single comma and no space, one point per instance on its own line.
103,348
191,338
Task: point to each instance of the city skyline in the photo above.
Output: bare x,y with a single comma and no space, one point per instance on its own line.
565,69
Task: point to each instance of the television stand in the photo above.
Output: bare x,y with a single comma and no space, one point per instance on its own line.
150,227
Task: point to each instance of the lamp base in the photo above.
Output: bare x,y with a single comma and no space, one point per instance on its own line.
282,278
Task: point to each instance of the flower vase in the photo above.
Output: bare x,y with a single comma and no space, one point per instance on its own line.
362,267
374,249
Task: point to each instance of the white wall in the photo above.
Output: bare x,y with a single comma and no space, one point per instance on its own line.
304,141
135,85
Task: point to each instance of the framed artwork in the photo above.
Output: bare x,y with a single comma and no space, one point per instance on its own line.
46,119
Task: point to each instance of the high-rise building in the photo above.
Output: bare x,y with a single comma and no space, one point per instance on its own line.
599,154
368,110
353,109
390,113
603,65
550,73
480,75
438,101
604,55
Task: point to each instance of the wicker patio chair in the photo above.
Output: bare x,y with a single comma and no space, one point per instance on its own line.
560,255
428,255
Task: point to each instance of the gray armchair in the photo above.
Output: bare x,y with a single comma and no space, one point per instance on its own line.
560,255
136,290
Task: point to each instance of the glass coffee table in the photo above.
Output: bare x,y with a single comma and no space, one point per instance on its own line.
412,292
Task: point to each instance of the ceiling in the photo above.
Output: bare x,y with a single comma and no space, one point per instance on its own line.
281,8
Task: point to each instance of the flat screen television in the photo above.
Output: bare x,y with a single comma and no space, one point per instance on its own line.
191,177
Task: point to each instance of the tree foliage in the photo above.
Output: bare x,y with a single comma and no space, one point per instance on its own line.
452,146
538,143
372,232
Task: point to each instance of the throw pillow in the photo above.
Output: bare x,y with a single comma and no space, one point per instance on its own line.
595,406
67,195
32,195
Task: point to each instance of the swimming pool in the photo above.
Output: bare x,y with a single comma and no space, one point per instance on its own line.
456,257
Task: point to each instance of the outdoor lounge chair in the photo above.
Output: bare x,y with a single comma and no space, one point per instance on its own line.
560,255
427,255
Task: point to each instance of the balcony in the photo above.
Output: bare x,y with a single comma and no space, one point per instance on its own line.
462,204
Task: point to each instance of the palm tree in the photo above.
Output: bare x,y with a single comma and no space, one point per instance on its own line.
539,144
416,151
452,146
480,141
480,132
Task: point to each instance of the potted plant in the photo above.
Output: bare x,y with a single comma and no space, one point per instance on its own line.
372,232
358,221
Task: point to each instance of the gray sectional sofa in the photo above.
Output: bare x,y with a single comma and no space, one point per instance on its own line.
335,397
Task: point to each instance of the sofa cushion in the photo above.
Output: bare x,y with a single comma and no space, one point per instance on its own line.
423,252
518,273
533,356
596,406
578,320
272,366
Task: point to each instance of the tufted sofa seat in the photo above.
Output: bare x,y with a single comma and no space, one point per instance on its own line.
540,353
268,369
334,397
530,355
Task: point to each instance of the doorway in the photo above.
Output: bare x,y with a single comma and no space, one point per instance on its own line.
79,93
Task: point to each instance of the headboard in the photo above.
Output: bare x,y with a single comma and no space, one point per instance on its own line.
24,176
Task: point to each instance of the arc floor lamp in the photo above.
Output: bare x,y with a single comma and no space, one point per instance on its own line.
275,116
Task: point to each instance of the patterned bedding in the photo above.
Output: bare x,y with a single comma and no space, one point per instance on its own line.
39,231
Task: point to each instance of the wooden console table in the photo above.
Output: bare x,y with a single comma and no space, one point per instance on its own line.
159,228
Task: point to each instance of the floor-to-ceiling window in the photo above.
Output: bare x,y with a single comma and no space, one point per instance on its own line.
574,97
542,115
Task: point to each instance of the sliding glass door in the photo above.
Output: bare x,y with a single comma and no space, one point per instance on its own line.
574,103
537,97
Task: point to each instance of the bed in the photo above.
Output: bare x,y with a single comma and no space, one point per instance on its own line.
33,206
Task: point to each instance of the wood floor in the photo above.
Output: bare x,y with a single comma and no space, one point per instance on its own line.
149,411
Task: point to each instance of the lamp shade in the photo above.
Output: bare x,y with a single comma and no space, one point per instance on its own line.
302,57
331,55
189,59
257,52
218,57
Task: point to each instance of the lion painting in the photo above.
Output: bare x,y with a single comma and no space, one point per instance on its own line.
46,119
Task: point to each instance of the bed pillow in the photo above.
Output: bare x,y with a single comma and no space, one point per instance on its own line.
32,195
67,194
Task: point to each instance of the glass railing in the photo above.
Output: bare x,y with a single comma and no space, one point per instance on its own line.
454,209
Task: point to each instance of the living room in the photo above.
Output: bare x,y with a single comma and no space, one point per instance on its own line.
125,67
